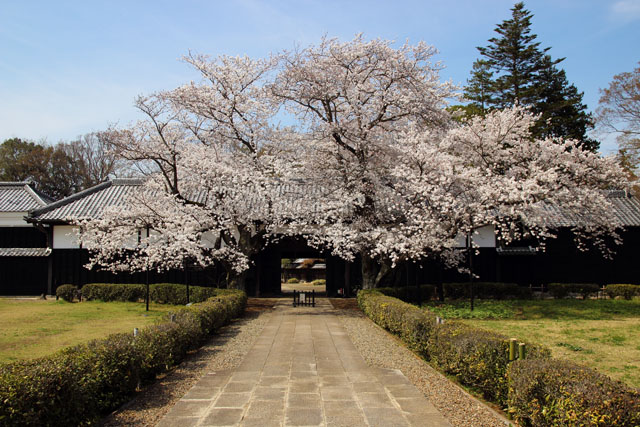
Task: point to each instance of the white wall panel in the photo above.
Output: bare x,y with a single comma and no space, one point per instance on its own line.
64,237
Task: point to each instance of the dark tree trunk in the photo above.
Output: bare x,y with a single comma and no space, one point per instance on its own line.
372,271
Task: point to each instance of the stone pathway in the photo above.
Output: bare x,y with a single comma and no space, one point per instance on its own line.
304,371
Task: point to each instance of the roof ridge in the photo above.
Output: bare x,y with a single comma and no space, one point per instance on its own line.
33,214
14,183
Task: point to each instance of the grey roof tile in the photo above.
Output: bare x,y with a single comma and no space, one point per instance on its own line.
27,252
20,197
91,203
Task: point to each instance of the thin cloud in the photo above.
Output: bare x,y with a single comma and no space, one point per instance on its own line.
625,11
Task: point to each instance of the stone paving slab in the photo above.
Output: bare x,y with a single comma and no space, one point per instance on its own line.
304,371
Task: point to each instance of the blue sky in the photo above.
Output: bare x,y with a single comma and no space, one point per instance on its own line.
72,67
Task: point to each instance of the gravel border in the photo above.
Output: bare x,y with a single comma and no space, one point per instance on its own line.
225,350
381,349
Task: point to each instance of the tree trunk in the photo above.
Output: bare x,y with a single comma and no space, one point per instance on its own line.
237,280
372,271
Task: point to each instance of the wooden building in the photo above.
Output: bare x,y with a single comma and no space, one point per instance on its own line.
23,248
561,262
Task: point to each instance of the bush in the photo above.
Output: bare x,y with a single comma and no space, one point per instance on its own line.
557,392
407,321
293,280
486,290
66,292
161,293
562,290
113,292
319,282
477,358
412,294
625,291
78,385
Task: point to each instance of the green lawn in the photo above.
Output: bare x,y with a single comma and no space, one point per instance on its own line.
33,328
603,334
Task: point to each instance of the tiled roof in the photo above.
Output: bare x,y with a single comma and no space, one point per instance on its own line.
626,208
20,197
90,202
14,252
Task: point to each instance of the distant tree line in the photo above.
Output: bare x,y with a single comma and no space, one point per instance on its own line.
62,169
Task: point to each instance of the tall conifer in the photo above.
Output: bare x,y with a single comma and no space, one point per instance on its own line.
515,69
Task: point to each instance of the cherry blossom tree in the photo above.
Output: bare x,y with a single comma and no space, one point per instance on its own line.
373,166
211,158
352,101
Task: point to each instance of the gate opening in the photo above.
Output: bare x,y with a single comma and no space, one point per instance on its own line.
303,274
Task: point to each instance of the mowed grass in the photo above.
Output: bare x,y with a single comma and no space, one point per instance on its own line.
34,328
602,334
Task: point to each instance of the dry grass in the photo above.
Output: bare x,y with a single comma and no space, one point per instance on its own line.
34,328
602,334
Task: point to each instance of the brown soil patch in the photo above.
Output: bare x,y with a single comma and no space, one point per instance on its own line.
260,304
344,303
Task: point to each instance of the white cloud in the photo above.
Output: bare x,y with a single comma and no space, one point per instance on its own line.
625,10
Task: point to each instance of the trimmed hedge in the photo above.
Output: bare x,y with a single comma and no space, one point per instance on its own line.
161,293
486,290
558,392
293,280
78,385
476,357
479,359
562,290
66,292
412,294
622,290
319,282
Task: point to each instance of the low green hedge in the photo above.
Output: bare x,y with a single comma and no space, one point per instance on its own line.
476,357
479,359
558,392
622,290
319,282
293,280
562,290
161,293
486,290
414,294
66,292
78,385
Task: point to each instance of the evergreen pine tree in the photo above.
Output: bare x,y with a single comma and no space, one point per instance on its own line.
515,69
480,87
515,57
562,113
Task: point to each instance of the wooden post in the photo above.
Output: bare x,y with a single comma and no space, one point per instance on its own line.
522,351
512,349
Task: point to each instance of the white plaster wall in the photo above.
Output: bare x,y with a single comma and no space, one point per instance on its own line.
13,219
64,237
208,239
483,237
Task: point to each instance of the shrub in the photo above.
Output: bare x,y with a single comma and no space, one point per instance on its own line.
293,280
319,282
477,358
113,292
161,293
557,392
79,384
66,292
625,291
413,294
562,290
487,290
407,321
